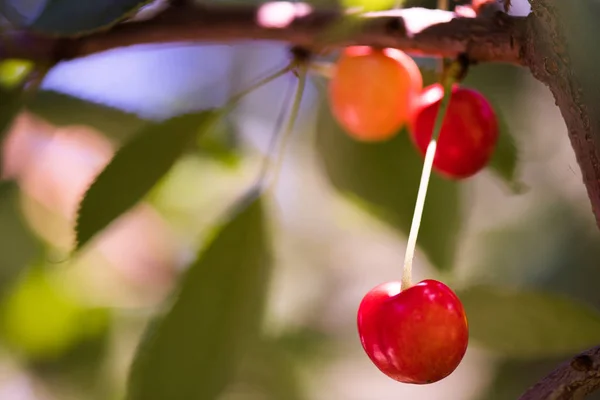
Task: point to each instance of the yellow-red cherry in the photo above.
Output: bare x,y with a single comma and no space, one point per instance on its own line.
372,92
469,131
417,335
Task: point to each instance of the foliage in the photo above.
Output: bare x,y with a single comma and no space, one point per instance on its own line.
192,352
130,176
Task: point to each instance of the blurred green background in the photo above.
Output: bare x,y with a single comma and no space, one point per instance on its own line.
267,307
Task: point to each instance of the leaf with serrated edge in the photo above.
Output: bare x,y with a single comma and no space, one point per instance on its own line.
529,324
385,176
61,109
135,169
193,351
70,17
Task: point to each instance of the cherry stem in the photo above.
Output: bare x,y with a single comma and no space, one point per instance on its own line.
287,99
271,77
406,282
287,133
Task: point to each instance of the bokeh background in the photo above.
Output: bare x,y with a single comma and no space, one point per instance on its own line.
70,326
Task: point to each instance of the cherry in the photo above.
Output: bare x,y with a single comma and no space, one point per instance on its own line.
418,335
469,131
373,92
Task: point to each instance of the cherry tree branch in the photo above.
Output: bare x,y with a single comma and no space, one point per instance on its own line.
495,38
574,379
560,49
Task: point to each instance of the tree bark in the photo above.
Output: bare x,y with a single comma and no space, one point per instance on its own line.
572,380
494,38
561,50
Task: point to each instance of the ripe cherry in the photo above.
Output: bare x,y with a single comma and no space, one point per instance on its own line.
418,335
469,131
373,92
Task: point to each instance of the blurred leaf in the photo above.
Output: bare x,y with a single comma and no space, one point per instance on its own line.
68,17
386,177
40,321
13,72
505,157
135,169
529,325
11,101
271,371
220,144
22,247
305,343
194,350
61,109
502,85
372,5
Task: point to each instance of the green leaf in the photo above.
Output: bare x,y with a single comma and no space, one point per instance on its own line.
61,109
135,169
11,101
68,17
40,321
272,371
194,350
371,5
501,84
23,246
523,325
221,144
505,158
13,72
385,176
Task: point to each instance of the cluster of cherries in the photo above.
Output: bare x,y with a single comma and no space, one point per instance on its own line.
417,334
374,93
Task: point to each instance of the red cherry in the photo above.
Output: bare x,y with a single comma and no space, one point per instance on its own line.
373,92
469,131
418,335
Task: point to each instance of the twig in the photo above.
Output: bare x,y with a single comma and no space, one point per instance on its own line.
417,30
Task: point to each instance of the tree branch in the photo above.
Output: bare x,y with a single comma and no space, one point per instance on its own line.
432,32
561,51
572,380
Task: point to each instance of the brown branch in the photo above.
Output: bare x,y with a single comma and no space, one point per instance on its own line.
572,380
561,51
496,38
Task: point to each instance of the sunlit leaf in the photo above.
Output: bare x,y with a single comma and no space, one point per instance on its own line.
41,321
193,351
528,324
68,17
385,176
135,169
371,5
13,72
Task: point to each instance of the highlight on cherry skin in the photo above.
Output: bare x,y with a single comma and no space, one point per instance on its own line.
372,92
469,132
418,335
